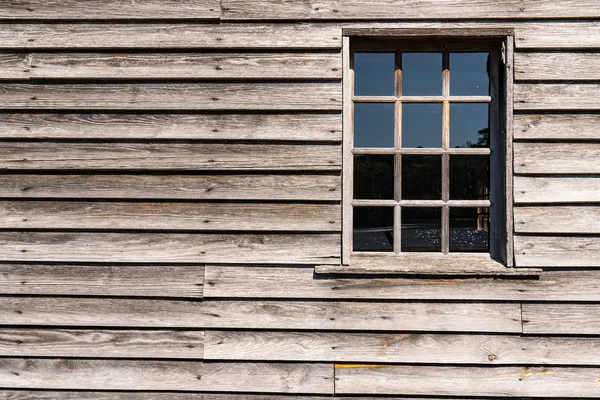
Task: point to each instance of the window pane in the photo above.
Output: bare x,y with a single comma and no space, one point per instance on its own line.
469,177
421,177
422,74
421,229
374,177
373,229
374,74
422,125
373,125
469,74
469,230
469,125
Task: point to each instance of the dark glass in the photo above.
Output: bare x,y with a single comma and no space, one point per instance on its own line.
469,177
373,229
469,74
421,177
374,74
374,125
422,74
469,230
374,177
421,229
469,125
422,125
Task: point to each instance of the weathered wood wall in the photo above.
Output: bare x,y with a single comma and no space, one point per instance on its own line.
171,173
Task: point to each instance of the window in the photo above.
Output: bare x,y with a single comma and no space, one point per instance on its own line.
427,145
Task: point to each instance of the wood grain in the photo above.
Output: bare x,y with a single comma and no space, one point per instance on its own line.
282,127
165,375
400,348
170,248
101,343
557,158
558,319
188,187
557,251
289,282
556,126
556,96
467,381
557,66
91,395
172,96
94,280
168,156
557,189
563,219
169,216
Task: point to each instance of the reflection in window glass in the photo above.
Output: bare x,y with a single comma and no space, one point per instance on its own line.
469,177
422,74
422,125
469,74
374,125
373,229
374,74
469,125
421,229
374,177
421,177
469,229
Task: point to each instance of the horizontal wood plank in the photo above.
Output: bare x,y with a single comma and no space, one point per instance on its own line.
557,158
563,219
290,282
168,156
557,251
400,348
173,96
116,395
556,189
557,66
282,127
556,96
166,375
169,216
93,280
110,10
403,9
467,381
101,343
558,319
169,247
556,126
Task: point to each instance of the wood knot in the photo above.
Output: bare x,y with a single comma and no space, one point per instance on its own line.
492,357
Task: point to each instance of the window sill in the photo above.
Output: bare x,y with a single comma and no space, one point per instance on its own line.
426,264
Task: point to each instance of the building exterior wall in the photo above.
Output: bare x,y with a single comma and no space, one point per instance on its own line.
170,175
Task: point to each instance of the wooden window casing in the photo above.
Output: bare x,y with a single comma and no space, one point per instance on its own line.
499,44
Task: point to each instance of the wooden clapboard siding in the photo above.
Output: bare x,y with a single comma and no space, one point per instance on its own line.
169,247
556,126
557,251
289,282
563,219
172,96
173,186
407,348
281,127
15,66
166,375
169,216
110,9
557,319
101,343
467,381
554,66
94,280
557,158
404,9
557,189
149,65
168,156
115,395
556,96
